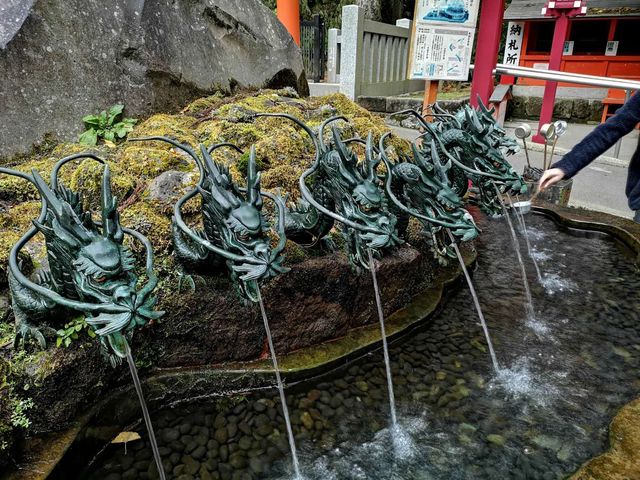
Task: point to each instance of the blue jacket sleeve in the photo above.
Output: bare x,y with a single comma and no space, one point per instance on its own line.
603,137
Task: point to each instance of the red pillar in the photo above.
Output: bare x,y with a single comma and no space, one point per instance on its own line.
555,61
289,16
487,46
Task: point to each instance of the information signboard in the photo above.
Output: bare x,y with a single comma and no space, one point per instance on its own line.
442,39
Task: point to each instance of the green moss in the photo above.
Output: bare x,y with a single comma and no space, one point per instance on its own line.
177,127
294,253
203,104
283,152
148,218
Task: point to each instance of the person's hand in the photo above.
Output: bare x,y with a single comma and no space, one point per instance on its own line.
550,177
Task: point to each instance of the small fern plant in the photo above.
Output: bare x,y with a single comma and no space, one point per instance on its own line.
107,125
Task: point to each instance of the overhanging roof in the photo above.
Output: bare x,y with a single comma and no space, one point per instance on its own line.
531,9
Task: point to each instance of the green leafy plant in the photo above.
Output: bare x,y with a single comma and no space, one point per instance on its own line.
71,331
19,417
107,125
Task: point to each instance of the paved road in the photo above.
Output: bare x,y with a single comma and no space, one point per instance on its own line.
600,186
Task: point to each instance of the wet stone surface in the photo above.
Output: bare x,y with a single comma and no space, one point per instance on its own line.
564,375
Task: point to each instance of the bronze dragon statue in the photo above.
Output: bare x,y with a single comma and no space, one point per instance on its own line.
477,149
420,187
235,230
91,271
352,193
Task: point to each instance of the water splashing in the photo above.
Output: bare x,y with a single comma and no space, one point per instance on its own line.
520,382
494,359
145,413
516,245
385,348
553,284
283,400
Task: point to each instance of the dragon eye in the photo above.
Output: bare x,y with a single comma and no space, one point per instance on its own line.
100,278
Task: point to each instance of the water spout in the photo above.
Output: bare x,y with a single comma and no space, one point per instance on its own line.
145,413
523,225
516,245
283,400
385,348
472,289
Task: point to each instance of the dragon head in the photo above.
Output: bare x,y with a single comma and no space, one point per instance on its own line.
92,271
234,215
361,197
235,228
420,186
471,145
357,201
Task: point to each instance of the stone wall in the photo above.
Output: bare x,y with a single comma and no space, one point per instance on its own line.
578,110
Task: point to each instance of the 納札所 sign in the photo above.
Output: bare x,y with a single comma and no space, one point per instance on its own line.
513,43
442,39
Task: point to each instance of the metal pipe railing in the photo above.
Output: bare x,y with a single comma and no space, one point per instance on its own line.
569,77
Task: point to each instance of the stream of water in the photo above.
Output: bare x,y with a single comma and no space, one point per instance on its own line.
540,418
516,246
525,234
472,290
385,347
283,399
145,414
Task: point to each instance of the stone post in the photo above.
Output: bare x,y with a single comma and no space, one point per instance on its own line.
351,51
333,55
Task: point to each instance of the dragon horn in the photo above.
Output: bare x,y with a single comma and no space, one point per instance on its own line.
253,180
188,150
324,124
413,112
61,162
437,108
208,161
45,192
472,118
63,212
483,107
339,144
441,170
110,219
213,148
372,160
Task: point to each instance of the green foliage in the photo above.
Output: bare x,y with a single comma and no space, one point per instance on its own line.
106,126
71,331
19,417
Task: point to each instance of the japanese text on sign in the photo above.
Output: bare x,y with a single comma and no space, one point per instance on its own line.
513,43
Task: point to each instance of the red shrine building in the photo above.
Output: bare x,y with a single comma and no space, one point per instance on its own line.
604,42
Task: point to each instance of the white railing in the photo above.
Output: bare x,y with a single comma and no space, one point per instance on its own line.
369,58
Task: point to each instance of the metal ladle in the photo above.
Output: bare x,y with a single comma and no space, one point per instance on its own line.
548,131
523,131
560,129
